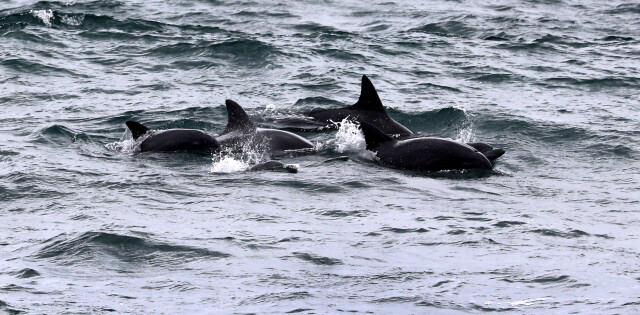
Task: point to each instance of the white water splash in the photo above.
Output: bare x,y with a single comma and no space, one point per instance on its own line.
270,108
349,137
44,15
128,145
466,135
72,20
124,146
229,165
238,159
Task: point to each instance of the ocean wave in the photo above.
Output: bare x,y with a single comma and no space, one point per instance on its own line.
561,234
101,25
495,77
247,51
265,13
30,186
344,213
37,67
95,247
59,135
306,102
546,132
563,40
405,230
596,83
9,309
317,260
92,26
551,42
633,8
451,28
339,54
440,87
606,150
614,38
544,279
196,117
500,36
108,5
319,31
446,121
26,273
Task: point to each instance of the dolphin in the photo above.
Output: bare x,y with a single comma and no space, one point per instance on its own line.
241,130
172,139
368,108
423,153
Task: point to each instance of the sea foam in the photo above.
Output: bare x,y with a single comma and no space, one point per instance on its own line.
349,137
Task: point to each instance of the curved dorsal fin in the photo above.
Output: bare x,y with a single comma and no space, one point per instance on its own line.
238,118
369,99
374,136
137,129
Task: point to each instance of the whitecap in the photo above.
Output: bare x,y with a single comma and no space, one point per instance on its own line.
72,20
229,165
44,15
349,137
237,159
270,108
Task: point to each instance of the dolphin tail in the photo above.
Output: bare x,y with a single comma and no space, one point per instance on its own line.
494,154
137,129
374,136
369,99
490,152
238,118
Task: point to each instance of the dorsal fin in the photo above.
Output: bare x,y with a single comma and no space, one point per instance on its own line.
369,99
238,118
374,136
137,129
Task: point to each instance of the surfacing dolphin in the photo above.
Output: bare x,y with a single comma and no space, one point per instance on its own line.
173,139
241,131
423,153
369,109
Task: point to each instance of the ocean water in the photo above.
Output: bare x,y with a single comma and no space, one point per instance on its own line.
87,225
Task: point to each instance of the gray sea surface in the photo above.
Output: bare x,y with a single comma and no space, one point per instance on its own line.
89,225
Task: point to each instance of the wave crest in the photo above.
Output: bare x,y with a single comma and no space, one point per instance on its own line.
98,246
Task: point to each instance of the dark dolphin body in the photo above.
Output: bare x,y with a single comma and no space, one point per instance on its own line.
369,109
490,152
241,131
173,139
423,153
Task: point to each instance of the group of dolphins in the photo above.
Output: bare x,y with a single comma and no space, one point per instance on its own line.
393,144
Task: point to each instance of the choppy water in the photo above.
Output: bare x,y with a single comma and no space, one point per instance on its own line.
86,226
